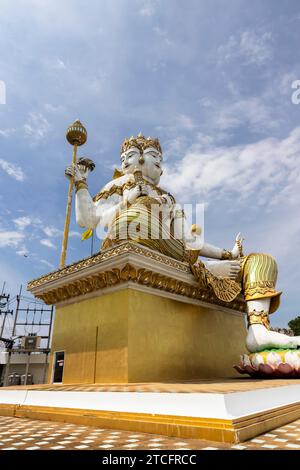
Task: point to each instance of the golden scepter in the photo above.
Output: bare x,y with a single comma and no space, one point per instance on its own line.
76,135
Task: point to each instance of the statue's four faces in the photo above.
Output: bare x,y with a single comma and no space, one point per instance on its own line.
149,162
130,160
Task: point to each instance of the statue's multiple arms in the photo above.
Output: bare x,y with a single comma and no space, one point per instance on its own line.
90,213
111,207
85,208
230,266
211,251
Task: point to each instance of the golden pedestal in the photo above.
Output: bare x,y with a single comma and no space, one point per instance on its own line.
130,314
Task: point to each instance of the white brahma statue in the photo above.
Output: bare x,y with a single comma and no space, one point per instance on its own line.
132,206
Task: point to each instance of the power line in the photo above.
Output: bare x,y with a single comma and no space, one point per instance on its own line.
31,299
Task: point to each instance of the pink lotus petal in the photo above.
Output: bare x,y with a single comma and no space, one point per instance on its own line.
285,369
266,369
250,370
240,369
269,371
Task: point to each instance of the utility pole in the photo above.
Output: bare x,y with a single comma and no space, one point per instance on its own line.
17,311
11,345
8,312
3,287
4,299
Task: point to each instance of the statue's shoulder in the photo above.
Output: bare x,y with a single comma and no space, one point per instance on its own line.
115,186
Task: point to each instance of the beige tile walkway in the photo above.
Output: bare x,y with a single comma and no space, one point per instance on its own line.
25,434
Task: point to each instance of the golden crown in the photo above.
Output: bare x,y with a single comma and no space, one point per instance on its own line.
141,143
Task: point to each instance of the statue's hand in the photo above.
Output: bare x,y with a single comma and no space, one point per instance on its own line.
226,268
144,190
237,250
137,191
73,171
133,194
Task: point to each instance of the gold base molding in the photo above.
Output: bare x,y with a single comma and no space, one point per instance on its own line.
126,263
230,431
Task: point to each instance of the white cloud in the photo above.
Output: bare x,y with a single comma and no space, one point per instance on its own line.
52,232
22,252
22,222
163,35
48,243
50,265
174,146
50,108
252,112
75,234
250,46
25,221
36,127
57,64
10,239
185,122
54,63
267,170
15,171
147,7
177,130
7,132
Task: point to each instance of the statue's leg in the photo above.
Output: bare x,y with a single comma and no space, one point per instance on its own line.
259,275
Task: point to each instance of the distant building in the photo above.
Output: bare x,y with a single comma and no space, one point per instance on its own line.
38,367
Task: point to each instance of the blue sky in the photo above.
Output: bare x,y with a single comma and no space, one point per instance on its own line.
212,79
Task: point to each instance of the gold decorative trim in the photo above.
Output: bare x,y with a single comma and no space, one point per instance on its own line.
115,189
80,185
123,248
258,318
226,254
100,280
116,276
140,142
129,273
224,289
109,192
261,287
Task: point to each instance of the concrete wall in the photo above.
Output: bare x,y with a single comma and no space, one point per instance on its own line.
18,365
37,370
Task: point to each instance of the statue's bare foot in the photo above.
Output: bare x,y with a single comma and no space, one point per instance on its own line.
259,338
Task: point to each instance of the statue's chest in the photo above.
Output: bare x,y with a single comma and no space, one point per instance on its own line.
154,192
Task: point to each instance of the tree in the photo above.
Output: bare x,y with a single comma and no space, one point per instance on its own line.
295,326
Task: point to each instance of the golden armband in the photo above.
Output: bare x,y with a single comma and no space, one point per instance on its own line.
226,254
258,318
80,185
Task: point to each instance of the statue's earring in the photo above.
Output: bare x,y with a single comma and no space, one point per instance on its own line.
161,172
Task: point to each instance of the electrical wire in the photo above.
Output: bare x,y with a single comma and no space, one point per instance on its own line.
39,307
30,299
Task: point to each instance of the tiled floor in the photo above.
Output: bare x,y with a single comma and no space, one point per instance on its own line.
25,434
241,384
